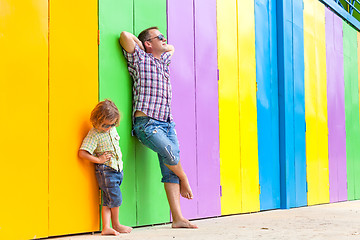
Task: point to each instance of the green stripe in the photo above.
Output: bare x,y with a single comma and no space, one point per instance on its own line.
144,198
115,83
351,111
152,204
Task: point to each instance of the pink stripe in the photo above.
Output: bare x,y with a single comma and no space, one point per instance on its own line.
336,107
181,35
207,116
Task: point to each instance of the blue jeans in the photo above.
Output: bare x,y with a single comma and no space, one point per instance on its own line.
109,181
161,138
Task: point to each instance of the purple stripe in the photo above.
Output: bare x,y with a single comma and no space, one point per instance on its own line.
336,107
339,57
207,117
181,35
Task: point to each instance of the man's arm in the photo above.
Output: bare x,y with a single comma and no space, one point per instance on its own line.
128,41
170,49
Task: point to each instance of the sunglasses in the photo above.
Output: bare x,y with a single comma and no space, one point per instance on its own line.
160,37
108,125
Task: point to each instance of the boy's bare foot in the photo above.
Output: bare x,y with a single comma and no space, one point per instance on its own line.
109,231
123,229
185,190
184,223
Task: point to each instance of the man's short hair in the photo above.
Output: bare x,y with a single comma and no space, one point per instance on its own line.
145,35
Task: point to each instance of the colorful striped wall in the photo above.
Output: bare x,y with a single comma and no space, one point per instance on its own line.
265,100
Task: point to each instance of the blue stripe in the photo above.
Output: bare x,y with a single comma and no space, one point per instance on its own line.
267,103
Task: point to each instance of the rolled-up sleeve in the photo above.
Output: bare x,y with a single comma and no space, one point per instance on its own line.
137,56
89,143
166,58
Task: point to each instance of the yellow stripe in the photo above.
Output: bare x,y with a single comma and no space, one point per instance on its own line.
323,158
74,196
237,107
316,103
229,108
24,119
248,114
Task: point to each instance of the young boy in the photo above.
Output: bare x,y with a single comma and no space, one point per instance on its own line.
101,146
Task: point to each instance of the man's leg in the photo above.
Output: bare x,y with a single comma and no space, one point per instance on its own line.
154,134
185,189
161,138
173,196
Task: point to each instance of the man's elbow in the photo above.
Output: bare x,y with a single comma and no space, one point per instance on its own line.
124,36
121,39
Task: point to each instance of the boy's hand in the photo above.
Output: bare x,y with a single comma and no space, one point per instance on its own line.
105,157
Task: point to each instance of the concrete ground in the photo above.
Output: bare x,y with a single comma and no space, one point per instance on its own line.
337,221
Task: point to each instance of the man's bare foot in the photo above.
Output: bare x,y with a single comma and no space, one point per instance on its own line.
109,231
185,190
184,223
123,229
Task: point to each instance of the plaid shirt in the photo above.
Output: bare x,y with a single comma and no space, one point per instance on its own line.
97,143
152,88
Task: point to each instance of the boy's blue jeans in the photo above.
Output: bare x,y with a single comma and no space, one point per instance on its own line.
109,181
161,138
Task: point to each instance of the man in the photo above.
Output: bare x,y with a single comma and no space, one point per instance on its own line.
148,59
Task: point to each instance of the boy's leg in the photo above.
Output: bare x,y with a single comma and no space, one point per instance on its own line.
115,221
109,181
106,215
173,196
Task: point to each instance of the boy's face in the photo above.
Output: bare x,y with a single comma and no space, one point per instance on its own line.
107,125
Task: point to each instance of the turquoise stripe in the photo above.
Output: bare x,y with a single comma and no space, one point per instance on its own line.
291,103
267,103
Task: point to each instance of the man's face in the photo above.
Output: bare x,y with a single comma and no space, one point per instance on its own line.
157,45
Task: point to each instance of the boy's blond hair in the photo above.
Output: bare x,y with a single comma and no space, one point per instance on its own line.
104,110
